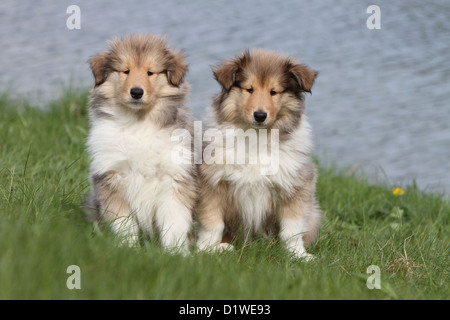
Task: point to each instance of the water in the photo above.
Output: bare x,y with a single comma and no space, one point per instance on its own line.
380,104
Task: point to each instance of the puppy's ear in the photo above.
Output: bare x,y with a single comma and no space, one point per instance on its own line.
304,76
176,69
100,67
226,72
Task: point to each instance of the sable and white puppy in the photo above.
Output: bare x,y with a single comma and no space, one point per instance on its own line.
261,91
136,104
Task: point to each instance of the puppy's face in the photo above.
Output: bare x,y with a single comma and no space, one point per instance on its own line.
136,81
136,68
260,99
263,86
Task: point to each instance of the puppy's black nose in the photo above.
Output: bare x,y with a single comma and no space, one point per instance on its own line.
260,116
136,93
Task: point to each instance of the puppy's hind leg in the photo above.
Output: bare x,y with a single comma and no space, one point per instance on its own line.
211,218
114,208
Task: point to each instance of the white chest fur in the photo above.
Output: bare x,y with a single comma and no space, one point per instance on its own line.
137,147
139,153
255,193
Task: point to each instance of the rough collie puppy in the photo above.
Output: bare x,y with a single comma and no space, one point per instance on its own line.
136,104
261,91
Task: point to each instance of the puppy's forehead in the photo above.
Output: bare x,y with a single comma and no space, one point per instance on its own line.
143,61
265,68
140,51
269,78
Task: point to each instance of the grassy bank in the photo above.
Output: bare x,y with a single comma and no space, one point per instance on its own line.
43,180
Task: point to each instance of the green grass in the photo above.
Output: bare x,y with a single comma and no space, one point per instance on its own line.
43,180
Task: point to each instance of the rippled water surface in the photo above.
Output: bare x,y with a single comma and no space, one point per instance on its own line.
380,104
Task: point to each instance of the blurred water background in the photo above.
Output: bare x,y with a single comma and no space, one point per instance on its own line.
381,103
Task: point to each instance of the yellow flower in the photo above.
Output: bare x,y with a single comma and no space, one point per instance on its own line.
398,192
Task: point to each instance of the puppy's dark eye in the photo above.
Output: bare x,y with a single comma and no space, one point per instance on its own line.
273,92
126,71
149,73
250,90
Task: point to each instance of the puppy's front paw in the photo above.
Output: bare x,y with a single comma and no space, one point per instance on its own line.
304,257
221,247
224,246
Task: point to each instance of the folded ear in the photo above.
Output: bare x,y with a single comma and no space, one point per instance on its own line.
225,73
304,76
176,68
100,67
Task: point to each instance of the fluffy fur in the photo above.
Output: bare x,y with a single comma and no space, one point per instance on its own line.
261,90
136,104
